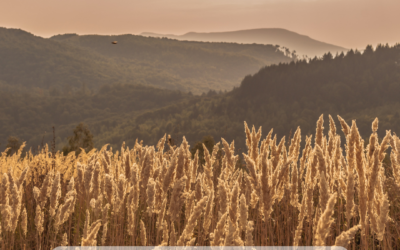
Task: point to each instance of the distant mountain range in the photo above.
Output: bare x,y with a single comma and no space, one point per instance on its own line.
302,44
70,62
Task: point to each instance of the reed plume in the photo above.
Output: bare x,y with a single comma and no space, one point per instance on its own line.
299,228
90,239
165,234
4,187
24,222
234,203
208,212
55,194
143,239
319,131
188,231
208,168
325,222
39,218
150,195
219,230
346,236
243,213
45,189
64,241
383,217
249,233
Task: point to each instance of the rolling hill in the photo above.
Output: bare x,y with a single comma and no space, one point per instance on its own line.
29,61
70,62
196,66
303,45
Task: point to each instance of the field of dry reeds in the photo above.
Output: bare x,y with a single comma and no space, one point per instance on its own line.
322,195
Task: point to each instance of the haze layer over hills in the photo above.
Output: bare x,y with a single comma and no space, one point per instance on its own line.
303,45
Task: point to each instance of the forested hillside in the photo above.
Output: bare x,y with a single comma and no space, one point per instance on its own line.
30,116
355,86
69,63
31,62
190,66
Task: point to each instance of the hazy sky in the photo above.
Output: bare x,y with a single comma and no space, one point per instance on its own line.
348,23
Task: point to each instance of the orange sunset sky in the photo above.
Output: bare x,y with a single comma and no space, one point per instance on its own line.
347,23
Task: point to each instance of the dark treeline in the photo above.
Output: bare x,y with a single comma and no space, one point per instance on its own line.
30,116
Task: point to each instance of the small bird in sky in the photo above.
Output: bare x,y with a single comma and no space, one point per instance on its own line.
114,42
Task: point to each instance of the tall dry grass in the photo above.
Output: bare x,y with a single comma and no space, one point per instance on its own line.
321,195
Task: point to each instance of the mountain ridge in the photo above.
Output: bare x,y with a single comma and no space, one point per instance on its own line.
74,61
302,44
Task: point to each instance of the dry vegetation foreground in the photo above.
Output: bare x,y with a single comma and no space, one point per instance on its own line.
148,196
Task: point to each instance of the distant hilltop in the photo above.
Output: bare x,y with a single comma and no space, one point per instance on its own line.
68,62
302,44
